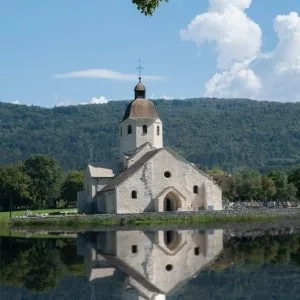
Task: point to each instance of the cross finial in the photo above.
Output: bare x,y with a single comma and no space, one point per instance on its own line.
140,68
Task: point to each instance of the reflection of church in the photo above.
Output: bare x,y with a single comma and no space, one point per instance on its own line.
154,178
153,264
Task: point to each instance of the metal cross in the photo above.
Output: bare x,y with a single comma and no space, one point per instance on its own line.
140,68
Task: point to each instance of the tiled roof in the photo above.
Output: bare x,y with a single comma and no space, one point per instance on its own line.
141,108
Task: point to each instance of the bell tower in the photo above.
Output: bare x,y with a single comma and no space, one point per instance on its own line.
141,122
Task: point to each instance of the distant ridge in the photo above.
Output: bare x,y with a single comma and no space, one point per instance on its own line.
229,134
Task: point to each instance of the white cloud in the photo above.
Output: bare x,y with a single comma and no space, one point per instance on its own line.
93,100
106,74
15,102
96,100
238,82
244,70
226,25
165,97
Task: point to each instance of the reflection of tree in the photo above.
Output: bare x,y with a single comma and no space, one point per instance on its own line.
46,268
41,266
278,249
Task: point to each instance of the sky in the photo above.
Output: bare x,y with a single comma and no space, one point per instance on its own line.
70,52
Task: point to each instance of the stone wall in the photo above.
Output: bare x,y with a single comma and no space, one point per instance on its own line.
150,182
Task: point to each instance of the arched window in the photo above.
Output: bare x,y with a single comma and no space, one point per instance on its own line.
157,130
129,129
145,130
195,189
197,251
134,194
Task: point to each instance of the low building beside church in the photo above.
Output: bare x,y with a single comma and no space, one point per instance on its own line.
154,178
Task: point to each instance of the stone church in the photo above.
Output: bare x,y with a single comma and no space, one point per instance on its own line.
154,178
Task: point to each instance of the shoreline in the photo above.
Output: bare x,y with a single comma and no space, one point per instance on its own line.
150,220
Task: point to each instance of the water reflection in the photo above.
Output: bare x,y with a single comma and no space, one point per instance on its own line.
151,264
229,264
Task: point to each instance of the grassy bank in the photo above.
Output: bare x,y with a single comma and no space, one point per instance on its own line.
5,216
154,219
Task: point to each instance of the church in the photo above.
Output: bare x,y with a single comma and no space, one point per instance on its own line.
154,178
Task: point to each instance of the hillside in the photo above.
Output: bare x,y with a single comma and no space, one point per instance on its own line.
229,134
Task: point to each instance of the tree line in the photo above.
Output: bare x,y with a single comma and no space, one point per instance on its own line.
276,186
37,183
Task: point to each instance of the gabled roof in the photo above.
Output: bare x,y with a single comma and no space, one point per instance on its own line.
97,171
140,148
130,171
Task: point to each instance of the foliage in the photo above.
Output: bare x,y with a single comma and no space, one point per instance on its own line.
72,184
212,133
285,191
247,185
294,177
147,7
38,265
14,187
46,176
251,185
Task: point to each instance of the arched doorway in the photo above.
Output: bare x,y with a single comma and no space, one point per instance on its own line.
172,239
171,202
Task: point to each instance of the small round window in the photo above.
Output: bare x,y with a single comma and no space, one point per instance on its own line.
169,268
167,174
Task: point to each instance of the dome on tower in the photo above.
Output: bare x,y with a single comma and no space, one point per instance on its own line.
141,108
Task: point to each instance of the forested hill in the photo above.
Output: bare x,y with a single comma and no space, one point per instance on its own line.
209,132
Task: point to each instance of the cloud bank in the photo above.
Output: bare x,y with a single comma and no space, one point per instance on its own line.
244,70
93,100
106,74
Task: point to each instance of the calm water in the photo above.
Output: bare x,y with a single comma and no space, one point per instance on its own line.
189,264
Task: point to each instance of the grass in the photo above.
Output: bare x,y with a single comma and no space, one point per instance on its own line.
4,216
207,217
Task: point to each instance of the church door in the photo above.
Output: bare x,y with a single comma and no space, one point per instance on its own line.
168,205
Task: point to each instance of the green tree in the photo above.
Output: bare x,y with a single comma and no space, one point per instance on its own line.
72,184
247,185
14,187
147,7
46,177
294,178
268,188
285,191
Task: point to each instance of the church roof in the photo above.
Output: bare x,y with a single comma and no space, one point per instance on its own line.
97,171
130,171
141,108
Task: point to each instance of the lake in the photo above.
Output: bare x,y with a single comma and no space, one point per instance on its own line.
261,262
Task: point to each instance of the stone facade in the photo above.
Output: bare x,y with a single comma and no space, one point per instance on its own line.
187,188
154,178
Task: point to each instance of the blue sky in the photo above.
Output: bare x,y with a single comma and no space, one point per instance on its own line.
189,48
